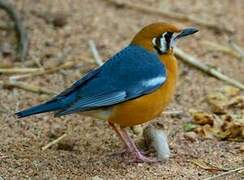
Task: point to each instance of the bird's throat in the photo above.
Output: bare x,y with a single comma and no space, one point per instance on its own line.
170,62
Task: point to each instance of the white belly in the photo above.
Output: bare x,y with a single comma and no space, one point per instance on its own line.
103,113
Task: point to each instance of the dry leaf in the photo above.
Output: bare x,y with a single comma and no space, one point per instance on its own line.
223,98
233,129
230,91
203,118
205,131
217,101
228,123
236,102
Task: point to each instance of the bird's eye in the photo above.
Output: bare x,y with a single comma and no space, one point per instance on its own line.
162,42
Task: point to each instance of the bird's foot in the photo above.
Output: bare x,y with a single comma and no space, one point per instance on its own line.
126,151
121,152
141,159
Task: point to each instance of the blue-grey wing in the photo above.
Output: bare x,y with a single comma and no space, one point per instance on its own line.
129,74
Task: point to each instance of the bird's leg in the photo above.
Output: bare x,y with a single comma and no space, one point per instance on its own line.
137,155
127,148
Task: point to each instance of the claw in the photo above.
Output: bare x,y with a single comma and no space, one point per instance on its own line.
144,160
140,158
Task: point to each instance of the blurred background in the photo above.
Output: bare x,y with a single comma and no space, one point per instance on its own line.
47,45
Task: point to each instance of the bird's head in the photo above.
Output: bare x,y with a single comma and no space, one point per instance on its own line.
161,37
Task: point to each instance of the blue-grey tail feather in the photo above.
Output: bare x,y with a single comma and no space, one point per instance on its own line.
41,108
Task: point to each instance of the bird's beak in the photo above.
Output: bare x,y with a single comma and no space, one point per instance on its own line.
186,32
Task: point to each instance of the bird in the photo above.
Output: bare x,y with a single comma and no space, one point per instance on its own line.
132,87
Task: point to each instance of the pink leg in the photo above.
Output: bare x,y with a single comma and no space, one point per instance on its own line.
137,155
127,148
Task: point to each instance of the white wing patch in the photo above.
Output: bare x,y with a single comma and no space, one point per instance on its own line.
154,81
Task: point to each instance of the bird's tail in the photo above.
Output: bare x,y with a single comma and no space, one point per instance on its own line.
40,108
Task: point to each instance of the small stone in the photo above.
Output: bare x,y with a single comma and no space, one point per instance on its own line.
191,136
138,130
66,145
59,19
242,148
6,49
96,178
52,63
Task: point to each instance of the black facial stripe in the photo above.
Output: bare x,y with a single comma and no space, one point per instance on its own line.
167,37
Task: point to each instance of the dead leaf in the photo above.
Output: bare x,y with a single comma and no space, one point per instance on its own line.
230,91
205,131
203,118
227,120
224,98
236,102
233,129
217,102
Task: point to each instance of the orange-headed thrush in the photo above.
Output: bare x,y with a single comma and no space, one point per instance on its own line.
132,87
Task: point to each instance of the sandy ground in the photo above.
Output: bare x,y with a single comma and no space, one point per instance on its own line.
86,152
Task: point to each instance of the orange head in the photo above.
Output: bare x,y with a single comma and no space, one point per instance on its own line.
160,37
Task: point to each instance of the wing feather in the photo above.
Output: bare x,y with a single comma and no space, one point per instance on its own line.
131,73
93,102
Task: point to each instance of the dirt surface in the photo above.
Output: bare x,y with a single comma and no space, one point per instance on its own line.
86,152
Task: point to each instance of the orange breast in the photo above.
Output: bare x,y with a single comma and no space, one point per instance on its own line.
147,107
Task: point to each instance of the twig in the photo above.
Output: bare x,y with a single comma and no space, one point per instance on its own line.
53,142
224,173
20,30
65,65
172,15
217,47
206,166
95,53
19,70
173,113
236,48
5,65
205,68
26,86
